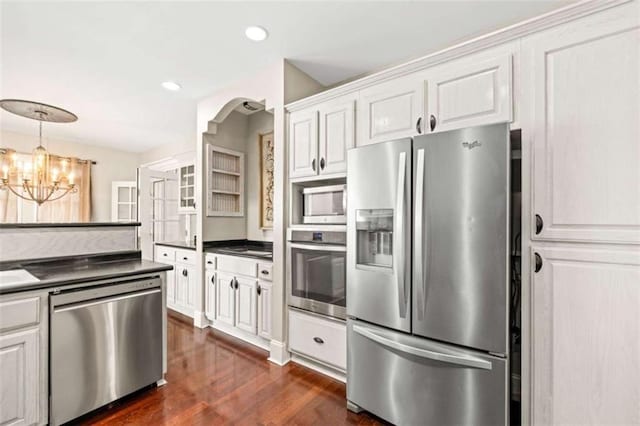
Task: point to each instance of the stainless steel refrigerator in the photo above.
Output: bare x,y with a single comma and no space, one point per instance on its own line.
427,278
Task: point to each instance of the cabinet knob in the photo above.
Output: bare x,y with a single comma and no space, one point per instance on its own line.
184,258
322,164
209,262
313,164
432,122
264,272
164,254
259,290
231,283
318,340
184,273
539,224
213,280
538,266
419,125
236,283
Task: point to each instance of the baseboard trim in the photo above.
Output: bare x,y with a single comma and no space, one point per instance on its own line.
239,334
199,319
181,310
278,353
320,368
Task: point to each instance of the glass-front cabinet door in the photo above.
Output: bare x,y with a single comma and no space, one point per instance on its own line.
187,189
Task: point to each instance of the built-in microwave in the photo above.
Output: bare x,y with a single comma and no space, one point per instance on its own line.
316,272
324,204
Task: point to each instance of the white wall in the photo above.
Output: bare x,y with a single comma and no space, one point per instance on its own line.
112,165
259,123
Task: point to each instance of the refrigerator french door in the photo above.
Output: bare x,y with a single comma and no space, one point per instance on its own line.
427,277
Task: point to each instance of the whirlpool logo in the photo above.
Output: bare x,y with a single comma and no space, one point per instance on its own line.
471,145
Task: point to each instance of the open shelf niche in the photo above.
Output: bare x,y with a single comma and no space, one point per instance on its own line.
225,182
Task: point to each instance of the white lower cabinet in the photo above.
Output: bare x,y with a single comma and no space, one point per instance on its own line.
210,294
265,296
322,339
181,281
23,360
225,298
240,299
246,304
586,335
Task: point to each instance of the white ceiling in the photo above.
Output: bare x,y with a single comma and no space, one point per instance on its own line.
105,60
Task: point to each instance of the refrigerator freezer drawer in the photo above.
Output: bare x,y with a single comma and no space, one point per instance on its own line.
315,337
411,380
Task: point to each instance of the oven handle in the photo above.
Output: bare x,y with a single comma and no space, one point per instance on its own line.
318,247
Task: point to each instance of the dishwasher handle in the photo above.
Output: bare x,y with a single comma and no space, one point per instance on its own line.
93,302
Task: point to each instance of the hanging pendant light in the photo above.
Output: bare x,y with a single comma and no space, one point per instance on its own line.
39,180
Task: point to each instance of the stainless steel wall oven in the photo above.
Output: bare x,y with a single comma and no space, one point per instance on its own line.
316,272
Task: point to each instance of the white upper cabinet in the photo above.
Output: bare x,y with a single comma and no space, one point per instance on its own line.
585,336
337,134
303,143
187,184
246,305
391,110
582,102
475,94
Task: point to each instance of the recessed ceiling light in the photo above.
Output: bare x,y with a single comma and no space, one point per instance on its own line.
171,85
256,33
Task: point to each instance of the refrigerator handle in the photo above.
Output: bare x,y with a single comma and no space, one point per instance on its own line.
463,360
420,251
399,260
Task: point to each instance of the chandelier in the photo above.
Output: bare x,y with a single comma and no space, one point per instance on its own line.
45,177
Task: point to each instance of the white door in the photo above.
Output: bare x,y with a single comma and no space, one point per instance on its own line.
225,298
246,305
124,201
20,378
337,134
391,110
473,95
586,336
264,309
157,208
210,294
303,143
582,101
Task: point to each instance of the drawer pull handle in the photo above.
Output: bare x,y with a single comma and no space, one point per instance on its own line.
318,340
184,258
231,283
264,272
213,280
209,262
184,272
259,290
164,254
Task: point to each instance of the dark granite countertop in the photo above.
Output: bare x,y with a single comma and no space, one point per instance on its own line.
261,250
76,270
177,244
65,225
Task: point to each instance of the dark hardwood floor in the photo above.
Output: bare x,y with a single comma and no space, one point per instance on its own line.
216,379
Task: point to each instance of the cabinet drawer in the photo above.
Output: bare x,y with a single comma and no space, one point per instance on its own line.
165,254
186,256
210,261
237,265
323,340
265,271
19,313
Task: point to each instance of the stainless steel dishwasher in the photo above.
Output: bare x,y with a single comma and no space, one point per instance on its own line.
105,343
